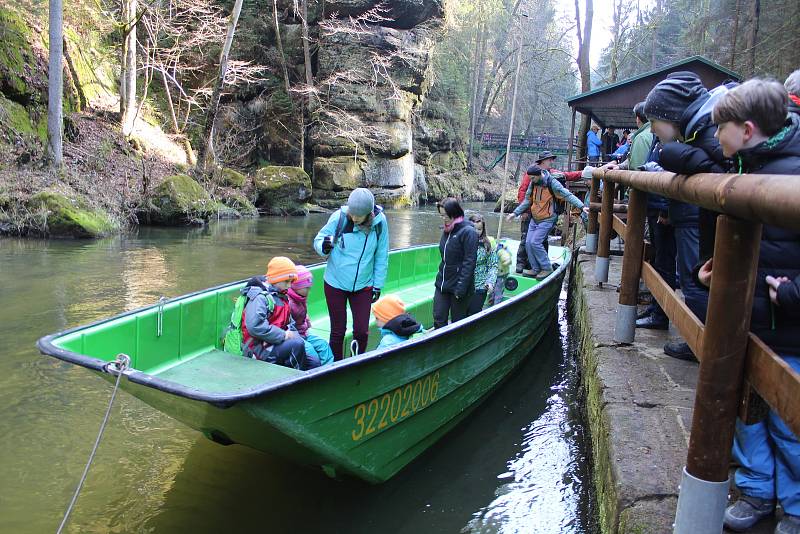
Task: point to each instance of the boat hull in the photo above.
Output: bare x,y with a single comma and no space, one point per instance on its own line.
370,416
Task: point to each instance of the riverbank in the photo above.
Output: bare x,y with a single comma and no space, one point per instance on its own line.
639,409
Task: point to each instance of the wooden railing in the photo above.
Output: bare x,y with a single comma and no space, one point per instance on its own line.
737,369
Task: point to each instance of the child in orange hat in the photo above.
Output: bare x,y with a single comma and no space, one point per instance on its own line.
268,330
395,324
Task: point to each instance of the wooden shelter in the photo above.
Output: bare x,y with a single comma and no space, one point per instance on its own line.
611,106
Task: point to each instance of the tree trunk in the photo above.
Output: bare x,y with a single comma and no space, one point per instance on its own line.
187,145
734,35
309,80
55,84
476,81
280,48
206,143
584,42
128,77
615,44
654,42
752,37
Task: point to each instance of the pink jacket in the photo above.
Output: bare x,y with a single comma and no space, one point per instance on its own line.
299,310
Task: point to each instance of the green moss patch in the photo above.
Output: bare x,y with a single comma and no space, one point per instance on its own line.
179,199
282,190
70,217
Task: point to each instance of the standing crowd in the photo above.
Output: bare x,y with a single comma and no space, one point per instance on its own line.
753,127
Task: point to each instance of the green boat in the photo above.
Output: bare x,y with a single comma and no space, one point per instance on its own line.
366,416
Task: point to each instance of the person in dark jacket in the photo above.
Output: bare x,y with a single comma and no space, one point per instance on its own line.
455,279
755,130
610,143
679,108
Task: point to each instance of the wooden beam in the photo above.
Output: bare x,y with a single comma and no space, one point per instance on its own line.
776,382
620,227
679,314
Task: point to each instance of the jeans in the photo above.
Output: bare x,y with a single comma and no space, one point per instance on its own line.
446,305
769,455
360,306
537,233
476,302
292,353
687,246
496,296
663,240
522,254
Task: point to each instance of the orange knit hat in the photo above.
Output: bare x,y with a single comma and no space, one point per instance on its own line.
281,268
388,307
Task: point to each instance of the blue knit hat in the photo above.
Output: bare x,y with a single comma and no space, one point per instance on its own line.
361,202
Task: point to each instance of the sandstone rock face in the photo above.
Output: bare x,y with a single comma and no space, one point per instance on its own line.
180,199
282,190
363,135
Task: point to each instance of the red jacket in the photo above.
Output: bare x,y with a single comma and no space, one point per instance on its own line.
571,176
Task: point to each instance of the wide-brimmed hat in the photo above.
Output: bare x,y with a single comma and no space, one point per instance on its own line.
545,155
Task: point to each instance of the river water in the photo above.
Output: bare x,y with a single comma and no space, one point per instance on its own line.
517,465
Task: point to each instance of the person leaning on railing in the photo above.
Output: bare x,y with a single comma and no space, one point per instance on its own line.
755,130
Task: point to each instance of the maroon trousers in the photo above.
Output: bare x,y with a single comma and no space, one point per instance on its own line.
360,305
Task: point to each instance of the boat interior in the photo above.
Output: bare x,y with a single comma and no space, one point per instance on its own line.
180,340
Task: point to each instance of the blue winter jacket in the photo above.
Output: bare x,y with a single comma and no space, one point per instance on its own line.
399,329
593,145
358,259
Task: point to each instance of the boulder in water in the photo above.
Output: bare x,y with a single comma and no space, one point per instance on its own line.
282,190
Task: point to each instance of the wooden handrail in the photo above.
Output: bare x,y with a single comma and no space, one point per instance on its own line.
766,372
765,198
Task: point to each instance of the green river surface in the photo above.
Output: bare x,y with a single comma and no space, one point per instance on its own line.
518,464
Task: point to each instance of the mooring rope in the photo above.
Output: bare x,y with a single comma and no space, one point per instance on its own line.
122,362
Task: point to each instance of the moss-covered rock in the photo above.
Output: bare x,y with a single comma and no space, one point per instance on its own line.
239,202
282,190
63,216
338,173
227,177
180,199
511,202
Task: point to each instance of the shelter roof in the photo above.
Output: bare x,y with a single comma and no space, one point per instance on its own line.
612,105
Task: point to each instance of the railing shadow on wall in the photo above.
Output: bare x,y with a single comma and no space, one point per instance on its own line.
737,369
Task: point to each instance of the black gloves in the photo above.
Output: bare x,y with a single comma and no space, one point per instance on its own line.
327,245
376,294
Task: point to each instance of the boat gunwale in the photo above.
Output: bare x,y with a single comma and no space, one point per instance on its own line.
47,347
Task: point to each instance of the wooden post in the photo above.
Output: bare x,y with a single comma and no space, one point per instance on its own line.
591,227
602,261
569,141
625,328
704,487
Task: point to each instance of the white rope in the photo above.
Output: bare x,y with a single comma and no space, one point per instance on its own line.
353,348
120,365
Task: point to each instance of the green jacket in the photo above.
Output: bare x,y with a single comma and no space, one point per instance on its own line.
642,141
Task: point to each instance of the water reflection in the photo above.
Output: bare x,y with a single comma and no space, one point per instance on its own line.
154,475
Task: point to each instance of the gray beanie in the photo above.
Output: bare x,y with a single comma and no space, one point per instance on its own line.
361,202
670,97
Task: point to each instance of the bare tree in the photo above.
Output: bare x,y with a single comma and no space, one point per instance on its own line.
127,79
206,146
55,87
752,36
584,42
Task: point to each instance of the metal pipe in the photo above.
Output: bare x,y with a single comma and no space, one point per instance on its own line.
719,380
602,261
625,328
762,198
591,227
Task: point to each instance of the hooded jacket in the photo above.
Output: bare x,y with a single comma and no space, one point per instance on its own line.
299,310
257,318
459,251
359,259
399,329
700,152
778,326
593,145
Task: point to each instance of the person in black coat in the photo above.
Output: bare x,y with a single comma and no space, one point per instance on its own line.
755,129
455,279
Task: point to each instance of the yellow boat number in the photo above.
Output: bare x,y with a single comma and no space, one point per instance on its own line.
381,412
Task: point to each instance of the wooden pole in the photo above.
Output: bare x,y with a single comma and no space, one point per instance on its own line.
569,141
602,260
631,267
591,227
508,141
719,382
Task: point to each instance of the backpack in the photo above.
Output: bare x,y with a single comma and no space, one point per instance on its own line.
343,223
232,336
559,205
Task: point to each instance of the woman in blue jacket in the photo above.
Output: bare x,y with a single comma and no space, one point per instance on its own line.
355,242
593,144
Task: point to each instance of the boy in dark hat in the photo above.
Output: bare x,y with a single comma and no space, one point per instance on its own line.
679,108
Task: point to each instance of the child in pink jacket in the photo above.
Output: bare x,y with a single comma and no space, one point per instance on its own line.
298,305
